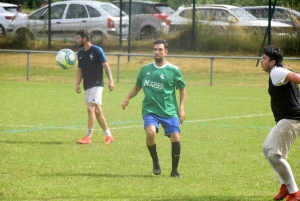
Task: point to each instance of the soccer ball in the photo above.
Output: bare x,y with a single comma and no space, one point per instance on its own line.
66,58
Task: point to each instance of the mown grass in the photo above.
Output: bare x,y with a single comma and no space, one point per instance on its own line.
221,159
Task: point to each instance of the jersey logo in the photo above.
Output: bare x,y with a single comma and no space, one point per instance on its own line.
156,85
148,73
162,76
91,56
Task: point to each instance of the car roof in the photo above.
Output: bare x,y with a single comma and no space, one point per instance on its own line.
139,1
7,4
280,7
210,5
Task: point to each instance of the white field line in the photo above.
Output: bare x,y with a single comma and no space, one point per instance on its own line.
128,127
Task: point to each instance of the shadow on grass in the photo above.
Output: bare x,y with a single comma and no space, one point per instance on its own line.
106,175
32,142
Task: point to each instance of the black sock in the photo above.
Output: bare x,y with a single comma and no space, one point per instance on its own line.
175,155
153,153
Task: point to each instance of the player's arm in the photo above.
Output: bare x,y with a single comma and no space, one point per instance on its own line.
181,112
78,80
133,92
108,73
293,77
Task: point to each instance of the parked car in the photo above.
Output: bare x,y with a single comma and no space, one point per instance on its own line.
102,20
147,17
281,14
222,17
7,11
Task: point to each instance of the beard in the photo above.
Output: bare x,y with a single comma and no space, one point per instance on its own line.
158,60
81,44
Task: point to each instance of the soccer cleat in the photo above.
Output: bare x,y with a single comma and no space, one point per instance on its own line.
156,168
85,140
294,196
175,174
283,192
109,139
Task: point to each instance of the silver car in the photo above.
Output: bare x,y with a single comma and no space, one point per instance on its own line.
281,14
7,12
147,17
102,20
222,18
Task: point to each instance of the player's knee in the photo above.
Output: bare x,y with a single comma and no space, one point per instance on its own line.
274,158
174,137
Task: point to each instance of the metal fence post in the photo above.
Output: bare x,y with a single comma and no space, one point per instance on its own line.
28,67
118,68
211,70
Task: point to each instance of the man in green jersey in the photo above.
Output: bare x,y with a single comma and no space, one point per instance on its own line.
159,81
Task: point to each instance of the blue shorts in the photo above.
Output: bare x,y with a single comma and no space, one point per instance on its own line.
170,125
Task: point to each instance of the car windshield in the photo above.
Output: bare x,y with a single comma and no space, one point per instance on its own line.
111,10
296,13
165,9
11,9
243,15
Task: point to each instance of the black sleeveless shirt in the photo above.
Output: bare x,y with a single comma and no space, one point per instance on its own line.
285,101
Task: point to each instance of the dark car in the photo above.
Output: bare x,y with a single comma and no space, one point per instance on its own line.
281,14
147,18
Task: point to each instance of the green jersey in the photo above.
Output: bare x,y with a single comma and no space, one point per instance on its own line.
159,85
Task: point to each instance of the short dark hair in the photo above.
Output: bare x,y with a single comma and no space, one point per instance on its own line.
84,34
274,53
160,41
18,7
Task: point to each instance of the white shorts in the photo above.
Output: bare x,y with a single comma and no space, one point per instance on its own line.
93,95
282,136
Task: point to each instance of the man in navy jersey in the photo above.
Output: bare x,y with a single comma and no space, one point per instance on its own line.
159,81
285,105
91,62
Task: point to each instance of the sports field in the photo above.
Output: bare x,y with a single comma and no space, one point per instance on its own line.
221,159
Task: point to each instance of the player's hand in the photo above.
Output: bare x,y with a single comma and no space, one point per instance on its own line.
181,115
111,85
77,89
125,103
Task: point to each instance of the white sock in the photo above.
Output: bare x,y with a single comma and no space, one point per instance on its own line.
107,132
89,132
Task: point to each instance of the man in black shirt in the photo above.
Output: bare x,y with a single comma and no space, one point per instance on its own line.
285,104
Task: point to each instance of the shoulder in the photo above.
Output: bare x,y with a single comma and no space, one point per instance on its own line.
279,71
278,75
148,65
80,50
172,66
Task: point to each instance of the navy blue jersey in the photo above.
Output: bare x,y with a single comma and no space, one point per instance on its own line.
90,62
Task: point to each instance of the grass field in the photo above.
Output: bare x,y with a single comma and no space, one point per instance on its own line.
221,158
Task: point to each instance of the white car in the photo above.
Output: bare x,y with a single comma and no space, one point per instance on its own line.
100,19
7,12
222,17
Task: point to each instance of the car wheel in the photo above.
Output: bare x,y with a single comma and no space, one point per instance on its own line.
2,31
97,37
24,34
147,33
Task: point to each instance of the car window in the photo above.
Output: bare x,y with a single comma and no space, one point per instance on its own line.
111,10
200,14
57,12
136,8
221,15
37,15
11,9
93,12
76,11
148,9
242,15
164,9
